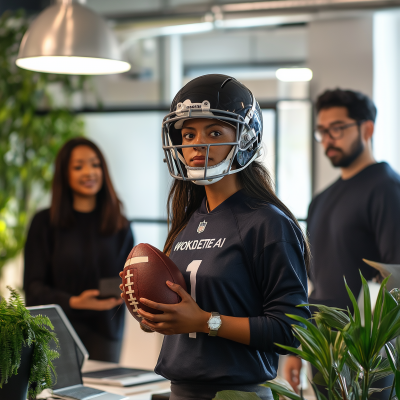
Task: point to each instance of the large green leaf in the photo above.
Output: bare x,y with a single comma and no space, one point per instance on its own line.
353,341
389,328
392,356
319,379
313,336
282,390
335,318
389,303
397,383
236,395
355,390
357,315
378,315
381,371
318,394
377,390
367,316
395,292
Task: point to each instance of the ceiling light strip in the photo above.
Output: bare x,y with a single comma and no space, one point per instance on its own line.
273,5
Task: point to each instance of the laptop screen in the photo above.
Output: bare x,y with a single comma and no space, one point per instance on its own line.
67,366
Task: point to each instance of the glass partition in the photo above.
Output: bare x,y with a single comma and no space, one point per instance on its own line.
294,183
131,143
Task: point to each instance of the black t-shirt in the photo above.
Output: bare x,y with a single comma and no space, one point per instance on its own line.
353,219
60,263
243,260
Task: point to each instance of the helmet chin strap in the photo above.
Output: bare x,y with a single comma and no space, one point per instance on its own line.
198,172
220,168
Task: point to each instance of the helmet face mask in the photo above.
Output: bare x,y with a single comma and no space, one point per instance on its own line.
213,97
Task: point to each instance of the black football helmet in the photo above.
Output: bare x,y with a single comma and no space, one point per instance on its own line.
219,97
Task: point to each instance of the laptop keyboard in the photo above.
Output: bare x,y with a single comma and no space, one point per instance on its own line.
80,393
114,373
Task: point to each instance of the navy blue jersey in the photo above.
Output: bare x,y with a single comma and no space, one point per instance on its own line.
242,259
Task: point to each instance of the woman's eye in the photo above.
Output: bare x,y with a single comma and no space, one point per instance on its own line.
215,133
97,165
188,136
77,167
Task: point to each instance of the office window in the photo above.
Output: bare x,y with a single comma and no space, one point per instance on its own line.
131,143
268,158
294,155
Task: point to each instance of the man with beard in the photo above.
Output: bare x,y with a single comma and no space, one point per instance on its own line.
358,216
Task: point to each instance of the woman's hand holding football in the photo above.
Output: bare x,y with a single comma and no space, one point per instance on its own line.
183,317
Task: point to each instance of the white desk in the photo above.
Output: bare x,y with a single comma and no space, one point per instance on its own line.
140,392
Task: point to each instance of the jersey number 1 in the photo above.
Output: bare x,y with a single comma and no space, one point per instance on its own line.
193,268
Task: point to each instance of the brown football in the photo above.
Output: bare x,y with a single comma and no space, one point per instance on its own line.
145,274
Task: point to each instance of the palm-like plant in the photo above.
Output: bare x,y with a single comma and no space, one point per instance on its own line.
346,349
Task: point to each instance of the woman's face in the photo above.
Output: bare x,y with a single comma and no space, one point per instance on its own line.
206,131
85,176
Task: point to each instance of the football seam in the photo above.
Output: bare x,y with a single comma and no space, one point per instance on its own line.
169,271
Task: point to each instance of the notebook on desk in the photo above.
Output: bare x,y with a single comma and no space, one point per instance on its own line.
73,353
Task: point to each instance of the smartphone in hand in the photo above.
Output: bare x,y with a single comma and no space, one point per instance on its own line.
109,287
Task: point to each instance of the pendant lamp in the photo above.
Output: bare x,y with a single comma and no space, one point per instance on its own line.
69,38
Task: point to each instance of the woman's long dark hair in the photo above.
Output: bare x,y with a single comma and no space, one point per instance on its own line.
107,202
185,198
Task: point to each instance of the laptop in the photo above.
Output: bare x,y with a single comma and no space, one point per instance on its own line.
120,376
72,356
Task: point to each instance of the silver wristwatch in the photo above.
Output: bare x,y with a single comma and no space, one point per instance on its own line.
214,323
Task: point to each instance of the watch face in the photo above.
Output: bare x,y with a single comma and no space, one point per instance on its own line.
214,323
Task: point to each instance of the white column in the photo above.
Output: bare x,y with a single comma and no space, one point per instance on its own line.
386,41
173,66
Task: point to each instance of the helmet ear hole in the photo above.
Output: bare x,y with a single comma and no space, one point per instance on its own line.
175,135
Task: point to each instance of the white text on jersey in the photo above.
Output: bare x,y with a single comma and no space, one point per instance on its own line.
199,244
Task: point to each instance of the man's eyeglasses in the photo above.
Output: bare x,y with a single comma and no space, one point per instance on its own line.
334,132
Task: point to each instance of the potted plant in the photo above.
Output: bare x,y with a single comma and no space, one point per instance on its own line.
346,349
25,353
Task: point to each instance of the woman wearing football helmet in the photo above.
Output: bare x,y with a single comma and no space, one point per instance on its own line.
239,248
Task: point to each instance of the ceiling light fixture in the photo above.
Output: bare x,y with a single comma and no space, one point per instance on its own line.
68,38
294,74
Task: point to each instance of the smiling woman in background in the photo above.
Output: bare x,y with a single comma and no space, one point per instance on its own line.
82,238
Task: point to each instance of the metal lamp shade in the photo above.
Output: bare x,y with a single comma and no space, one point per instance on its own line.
68,38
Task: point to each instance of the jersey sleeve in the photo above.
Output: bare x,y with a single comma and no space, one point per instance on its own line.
37,273
385,221
282,277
